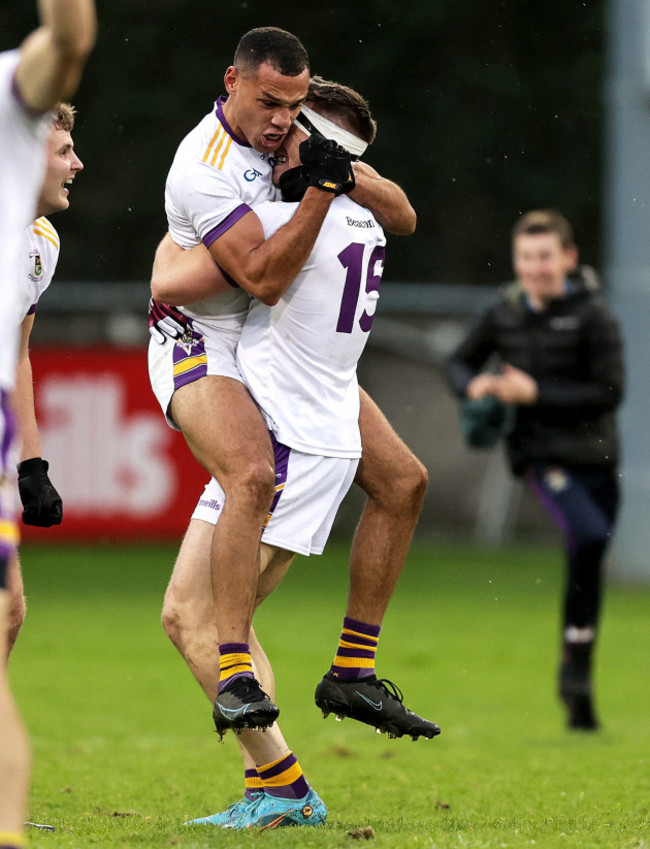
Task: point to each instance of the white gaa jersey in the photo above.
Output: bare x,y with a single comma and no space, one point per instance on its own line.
40,255
299,357
22,167
213,181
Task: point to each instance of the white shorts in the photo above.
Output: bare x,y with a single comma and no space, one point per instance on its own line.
309,490
199,352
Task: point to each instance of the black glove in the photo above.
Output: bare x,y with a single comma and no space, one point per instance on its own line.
42,503
293,185
326,165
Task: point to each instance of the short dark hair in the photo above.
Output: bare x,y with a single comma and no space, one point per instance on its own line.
276,46
342,104
545,221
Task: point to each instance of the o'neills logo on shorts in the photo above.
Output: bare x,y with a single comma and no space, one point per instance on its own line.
210,503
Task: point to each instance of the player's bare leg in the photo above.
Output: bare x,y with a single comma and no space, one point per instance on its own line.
16,606
14,750
226,434
190,622
189,619
395,482
189,615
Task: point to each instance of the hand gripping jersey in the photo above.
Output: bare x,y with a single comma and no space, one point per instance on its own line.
40,255
22,166
213,181
299,358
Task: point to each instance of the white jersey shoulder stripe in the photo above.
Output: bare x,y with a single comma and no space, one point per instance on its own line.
42,227
216,143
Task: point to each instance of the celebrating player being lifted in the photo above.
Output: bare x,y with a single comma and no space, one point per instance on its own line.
219,170
46,68
298,359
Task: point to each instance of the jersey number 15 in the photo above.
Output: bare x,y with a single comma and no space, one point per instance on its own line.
351,258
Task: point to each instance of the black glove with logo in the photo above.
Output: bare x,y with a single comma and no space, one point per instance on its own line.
41,502
326,165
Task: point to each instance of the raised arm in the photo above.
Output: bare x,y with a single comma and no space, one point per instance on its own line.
385,199
53,56
181,276
266,268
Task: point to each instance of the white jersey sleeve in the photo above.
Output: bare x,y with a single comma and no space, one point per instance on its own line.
299,358
39,258
213,181
22,165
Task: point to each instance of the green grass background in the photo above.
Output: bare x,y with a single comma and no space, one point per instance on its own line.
124,749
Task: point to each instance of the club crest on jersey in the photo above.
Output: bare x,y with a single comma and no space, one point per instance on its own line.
252,174
38,265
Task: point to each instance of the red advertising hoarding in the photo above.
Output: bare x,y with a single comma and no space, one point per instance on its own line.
122,472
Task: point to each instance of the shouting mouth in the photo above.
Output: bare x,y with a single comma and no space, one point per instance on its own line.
273,140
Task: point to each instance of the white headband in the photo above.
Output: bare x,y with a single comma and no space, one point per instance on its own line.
327,128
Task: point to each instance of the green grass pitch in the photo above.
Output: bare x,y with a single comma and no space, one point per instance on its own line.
124,749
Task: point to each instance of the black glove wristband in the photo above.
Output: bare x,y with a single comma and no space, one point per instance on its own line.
32,466
42,504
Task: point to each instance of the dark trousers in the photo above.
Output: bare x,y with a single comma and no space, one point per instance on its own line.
584,503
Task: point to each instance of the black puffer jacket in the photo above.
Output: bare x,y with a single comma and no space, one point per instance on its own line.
573,350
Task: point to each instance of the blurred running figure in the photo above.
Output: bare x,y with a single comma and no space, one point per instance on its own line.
220,169
45,69
562,371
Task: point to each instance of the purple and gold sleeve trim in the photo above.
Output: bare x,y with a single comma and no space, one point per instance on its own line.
32,309
226,224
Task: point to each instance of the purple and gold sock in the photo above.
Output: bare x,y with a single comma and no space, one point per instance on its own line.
12,840
234,662
284,778
253,783
355,656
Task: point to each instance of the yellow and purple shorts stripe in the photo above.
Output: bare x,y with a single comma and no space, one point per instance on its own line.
190,361
9,533
281,453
